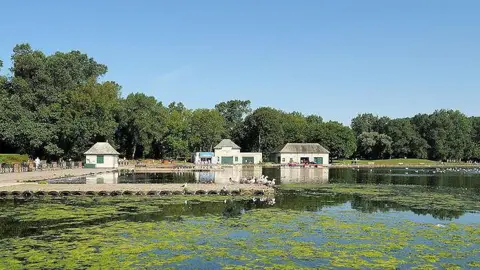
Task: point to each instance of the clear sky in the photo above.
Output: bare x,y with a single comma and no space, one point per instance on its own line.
334,58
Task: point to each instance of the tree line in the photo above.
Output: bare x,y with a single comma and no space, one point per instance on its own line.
56,106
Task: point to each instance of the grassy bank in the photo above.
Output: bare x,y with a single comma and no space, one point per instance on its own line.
12,158
400,162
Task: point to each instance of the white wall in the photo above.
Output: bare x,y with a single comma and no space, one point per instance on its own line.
109,161
237,155
257,157
227,152
286,158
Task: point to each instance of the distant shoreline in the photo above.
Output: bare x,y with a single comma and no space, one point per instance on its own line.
446,165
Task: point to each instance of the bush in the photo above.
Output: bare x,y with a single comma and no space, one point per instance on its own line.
13,158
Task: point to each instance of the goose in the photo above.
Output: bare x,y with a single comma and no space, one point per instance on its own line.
184,185
270,183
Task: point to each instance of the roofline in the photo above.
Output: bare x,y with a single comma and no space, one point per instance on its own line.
227,146
296,152
280,152
113,154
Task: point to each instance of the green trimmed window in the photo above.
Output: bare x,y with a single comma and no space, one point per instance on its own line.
100,159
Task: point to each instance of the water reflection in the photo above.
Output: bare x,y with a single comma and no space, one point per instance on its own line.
11,225
403,176
105,178
282,175
288,175
316,202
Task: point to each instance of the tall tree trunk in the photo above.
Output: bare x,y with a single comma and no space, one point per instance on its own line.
134,150
259,143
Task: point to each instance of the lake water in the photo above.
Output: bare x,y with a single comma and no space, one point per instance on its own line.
449,177
332,218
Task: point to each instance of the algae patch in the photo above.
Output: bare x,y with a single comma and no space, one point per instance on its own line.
261,237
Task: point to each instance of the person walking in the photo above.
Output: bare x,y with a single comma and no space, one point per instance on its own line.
37,163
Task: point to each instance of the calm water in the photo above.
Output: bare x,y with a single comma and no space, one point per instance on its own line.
462,178
296,228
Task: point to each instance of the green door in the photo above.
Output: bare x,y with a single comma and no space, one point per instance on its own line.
227,160
248,160
318,160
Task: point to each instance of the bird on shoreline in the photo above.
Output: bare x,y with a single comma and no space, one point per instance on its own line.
184,185
270,183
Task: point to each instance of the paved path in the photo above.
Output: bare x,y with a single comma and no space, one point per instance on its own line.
13,178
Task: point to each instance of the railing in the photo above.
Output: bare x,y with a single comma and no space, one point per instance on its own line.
43,166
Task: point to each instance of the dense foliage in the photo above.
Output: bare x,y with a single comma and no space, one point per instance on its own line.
56,106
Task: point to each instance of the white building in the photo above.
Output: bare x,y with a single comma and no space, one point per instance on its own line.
227,152
302,153
204,158
101,155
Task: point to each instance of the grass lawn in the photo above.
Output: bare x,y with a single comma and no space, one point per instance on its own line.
396,161
12,158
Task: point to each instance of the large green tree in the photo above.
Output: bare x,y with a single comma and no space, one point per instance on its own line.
141,124
368,122
234,113
89,117
372,145
37,99
449,135
407,142
264,131
295,127
473,152
175,143
207,129
337,138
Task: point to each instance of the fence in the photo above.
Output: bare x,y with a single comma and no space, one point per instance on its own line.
44,166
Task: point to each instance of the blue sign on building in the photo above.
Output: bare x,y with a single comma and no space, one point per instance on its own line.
206,154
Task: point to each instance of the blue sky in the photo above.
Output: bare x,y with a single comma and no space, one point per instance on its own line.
333,58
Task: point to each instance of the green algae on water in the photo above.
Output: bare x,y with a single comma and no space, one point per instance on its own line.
119,233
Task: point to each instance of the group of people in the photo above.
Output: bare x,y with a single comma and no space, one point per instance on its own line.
38,163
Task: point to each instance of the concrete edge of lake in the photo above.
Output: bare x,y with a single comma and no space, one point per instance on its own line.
30,190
